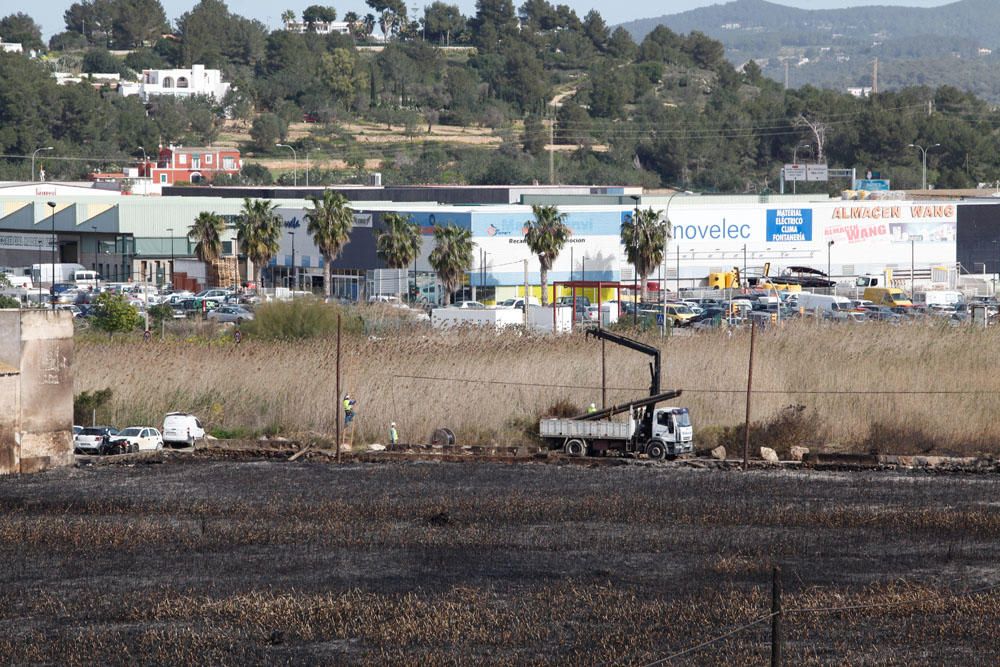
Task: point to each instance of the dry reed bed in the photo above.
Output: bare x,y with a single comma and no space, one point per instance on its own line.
289,386
305,564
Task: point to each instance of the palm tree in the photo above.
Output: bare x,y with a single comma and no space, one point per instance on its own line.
206,232
330,221
451,257
400,243
645,237
258,229
546,237
287,16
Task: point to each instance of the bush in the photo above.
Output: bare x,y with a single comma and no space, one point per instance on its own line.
298,319
86,403
793,425
898,439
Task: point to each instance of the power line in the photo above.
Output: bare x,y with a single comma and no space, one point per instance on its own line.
710,390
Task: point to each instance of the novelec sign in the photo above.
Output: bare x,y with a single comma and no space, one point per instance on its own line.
717,231
789,224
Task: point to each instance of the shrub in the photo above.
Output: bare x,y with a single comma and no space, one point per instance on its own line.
792,425
87,402
298,319
885,438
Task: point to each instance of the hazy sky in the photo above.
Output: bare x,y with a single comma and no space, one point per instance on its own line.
48,13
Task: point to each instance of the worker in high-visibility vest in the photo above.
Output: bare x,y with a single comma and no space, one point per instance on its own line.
591,408
349,404
393,434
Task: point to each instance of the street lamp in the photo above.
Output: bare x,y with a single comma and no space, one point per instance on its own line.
795,160
666,219
635,264
33,154
295,164
52,215
171,265
829,247
307,167
923,152
292,234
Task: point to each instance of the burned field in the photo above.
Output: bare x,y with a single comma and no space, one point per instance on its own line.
457,563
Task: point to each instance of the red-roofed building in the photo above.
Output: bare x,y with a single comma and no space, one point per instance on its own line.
178,164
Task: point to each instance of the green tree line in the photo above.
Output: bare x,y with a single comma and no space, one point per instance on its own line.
669,110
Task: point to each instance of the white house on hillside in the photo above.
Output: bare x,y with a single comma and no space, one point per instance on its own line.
11,47
178,83
319,27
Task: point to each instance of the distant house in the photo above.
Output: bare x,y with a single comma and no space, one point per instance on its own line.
177,164
860,91
319,27
11,47
985,52
178,83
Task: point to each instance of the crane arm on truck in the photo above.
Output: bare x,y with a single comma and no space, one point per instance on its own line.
654,370
628,407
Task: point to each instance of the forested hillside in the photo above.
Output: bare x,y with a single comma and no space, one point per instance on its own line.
957,44
669,110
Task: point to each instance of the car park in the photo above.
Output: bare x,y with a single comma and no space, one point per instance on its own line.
181,429
230,314
137,439
93,439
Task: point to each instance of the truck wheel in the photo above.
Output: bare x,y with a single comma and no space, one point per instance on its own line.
576,447
655,450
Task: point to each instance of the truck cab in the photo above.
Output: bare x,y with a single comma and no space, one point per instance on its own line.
672,426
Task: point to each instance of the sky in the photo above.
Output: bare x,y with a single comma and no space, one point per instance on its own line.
48,13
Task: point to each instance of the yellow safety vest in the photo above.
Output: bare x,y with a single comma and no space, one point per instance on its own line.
347,405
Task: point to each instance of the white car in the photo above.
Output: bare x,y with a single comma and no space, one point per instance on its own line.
471,305
180,428
140,438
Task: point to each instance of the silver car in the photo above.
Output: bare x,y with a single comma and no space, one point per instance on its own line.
235,314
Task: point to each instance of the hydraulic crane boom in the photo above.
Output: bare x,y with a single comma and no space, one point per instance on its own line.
654,367
649,401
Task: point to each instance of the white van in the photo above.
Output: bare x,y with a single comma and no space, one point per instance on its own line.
180,428
938,298
86,278
829,307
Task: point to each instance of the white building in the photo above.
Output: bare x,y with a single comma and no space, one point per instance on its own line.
319,27
11,47
178,83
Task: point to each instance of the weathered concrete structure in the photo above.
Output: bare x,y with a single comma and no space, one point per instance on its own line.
36,390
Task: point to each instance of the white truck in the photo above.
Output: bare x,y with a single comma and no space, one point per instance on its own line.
672,435
43,273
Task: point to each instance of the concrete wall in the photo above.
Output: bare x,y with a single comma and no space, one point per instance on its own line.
39,344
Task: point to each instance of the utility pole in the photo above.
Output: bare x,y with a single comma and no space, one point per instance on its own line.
338,401
746,434
552,148
526,298
875,78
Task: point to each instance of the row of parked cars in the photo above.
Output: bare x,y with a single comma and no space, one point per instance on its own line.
179,430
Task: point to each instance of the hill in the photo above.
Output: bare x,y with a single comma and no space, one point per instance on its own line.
955,44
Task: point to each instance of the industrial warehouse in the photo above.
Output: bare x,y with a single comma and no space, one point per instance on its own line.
144,239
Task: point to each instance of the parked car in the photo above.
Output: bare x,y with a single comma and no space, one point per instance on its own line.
93,439
882,313
233,314
472,305
180,428
216,294
137,439
76,429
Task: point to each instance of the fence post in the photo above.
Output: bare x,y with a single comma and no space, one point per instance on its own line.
777,640
338,400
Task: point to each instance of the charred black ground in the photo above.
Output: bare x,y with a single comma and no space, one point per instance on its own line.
435,563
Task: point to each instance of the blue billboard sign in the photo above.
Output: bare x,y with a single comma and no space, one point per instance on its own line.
872,184
789,224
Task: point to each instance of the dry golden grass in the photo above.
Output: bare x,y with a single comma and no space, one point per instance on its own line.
289,387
